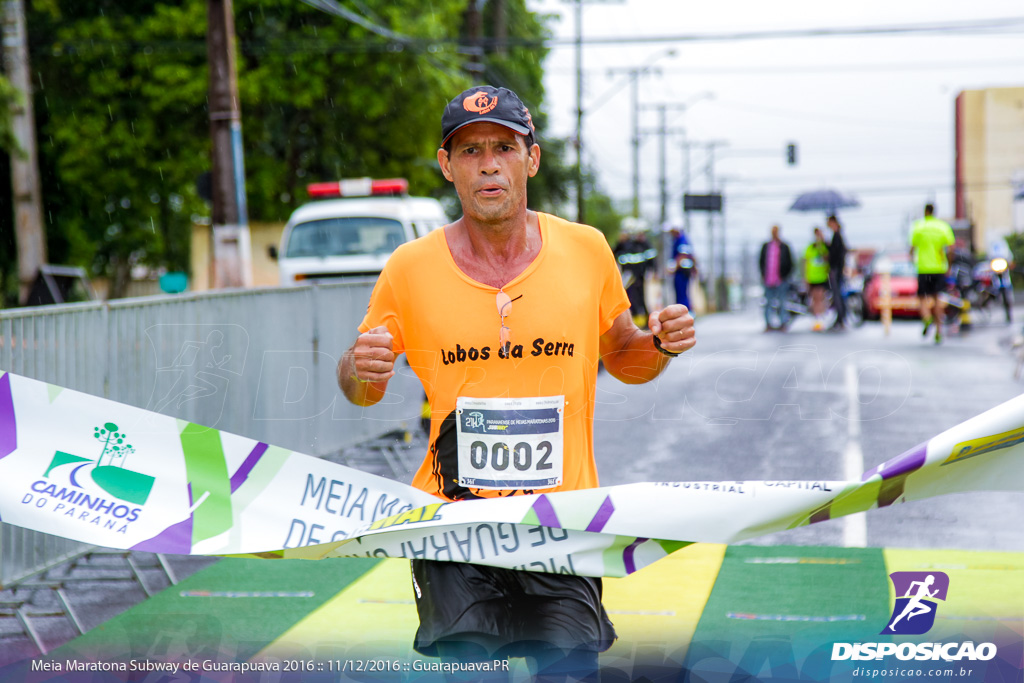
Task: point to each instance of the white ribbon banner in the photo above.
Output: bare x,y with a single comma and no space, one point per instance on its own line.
108,474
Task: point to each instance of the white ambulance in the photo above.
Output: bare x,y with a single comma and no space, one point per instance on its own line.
351,229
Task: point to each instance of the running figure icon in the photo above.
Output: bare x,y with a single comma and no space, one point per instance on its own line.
916,606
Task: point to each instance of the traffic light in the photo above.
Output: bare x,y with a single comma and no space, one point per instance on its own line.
791,154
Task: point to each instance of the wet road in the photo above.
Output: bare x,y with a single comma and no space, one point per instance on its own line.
752,405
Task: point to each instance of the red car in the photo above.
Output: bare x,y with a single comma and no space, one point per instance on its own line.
902,283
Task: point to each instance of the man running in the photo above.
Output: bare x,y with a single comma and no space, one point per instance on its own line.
930,239
506,311
915,606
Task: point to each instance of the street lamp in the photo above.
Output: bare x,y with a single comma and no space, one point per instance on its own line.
663,132
580,210
633,80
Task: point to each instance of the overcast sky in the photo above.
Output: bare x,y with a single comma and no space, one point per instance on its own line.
871,115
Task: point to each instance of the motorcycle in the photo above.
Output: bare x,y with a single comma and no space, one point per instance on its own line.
992,283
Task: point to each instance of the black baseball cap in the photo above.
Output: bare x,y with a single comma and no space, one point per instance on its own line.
490,104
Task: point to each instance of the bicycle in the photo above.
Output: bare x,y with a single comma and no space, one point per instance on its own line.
797,304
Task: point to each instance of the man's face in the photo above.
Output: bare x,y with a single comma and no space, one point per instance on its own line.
489,165
834,225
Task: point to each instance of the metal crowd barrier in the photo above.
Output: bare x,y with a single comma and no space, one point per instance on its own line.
256,362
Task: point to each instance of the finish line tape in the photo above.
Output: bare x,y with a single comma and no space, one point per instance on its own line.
108,474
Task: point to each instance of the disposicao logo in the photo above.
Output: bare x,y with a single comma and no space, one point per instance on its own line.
913,613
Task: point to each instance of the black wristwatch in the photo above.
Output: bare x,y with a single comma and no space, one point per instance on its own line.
665,352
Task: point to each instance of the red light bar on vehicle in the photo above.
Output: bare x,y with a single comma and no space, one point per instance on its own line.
358,187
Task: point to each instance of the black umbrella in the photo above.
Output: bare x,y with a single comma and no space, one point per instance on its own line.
825,200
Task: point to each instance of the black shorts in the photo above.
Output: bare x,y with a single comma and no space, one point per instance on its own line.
930,284
506,609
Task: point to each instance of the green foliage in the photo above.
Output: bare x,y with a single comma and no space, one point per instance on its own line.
1015,240
9,98
122,131
602,214
123,121
315,113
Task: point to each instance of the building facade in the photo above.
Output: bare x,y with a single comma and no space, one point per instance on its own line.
990,162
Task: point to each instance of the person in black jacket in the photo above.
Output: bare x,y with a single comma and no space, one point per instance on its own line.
836,263
636,257
776,263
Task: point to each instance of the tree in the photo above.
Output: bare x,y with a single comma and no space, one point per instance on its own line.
8,145
124,125
1015,240
122,131
601,211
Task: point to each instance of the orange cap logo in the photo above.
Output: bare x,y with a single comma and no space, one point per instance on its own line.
480,102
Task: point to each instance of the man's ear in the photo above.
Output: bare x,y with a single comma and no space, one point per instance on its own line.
534,164
444,162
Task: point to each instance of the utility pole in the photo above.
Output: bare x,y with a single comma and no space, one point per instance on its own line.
722,291
634,80
664,238
28,212
474,34
500,26
709,170
581,210
663,131
232,261
581,213
713,277
686,185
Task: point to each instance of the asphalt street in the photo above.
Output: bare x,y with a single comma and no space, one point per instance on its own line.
743,405
746,404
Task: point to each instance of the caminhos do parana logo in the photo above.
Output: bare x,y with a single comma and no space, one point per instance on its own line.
111,476
101,491
480,102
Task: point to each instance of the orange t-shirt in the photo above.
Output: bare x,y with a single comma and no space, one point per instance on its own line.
448,326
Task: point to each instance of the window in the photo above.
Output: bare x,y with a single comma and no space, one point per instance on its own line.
349,236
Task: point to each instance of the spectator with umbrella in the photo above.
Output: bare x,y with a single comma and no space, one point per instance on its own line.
826,200
836,264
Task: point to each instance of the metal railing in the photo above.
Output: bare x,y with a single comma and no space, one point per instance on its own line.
257,362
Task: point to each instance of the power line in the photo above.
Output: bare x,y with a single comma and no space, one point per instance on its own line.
995,25
388,41
332,7
827,118
827,68
889,189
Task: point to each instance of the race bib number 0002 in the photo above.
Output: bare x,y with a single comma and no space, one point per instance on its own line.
510,443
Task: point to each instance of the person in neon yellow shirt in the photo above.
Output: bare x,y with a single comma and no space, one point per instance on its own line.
816,276
930,240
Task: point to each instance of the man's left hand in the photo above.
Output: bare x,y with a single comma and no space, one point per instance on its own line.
673,325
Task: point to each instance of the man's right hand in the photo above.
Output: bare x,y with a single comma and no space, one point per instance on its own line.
371,357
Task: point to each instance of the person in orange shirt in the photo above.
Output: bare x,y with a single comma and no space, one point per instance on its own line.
504,315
